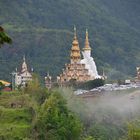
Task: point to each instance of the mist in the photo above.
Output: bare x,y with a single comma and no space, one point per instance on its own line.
112,111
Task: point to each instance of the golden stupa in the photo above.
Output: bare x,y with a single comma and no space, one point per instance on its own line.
74,70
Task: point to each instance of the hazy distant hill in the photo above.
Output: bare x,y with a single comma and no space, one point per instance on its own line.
43,31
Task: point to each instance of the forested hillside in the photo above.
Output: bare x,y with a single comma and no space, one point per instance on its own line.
43,31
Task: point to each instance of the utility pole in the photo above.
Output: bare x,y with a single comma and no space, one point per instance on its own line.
13,80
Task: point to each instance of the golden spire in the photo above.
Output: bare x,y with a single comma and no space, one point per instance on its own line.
75,50
87,47
75,36
75,40
87,34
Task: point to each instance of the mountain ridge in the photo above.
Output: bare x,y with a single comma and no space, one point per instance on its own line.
37,31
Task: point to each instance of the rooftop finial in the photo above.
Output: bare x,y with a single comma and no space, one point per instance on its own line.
24,57
75,50
24,65
86,33
48,73
75,36
32,69
87,46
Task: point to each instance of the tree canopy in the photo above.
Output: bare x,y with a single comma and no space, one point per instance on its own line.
4,38
56,122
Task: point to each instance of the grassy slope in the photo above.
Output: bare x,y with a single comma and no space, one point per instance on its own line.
43,31
15,123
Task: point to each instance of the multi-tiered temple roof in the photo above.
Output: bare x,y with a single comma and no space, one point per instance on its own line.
74,70
75,50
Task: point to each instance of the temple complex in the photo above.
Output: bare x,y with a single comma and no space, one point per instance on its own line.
22,77
79,70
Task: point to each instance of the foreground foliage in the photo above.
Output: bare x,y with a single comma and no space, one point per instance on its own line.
34,113
92,84
133,131
56,122
4,38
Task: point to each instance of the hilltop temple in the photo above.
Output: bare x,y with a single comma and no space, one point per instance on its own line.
78,69
22,77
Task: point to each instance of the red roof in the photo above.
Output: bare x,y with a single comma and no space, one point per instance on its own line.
7,89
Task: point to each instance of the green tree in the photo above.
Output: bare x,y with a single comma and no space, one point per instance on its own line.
56,122
133,131
4,38
92,84
1,86
36,92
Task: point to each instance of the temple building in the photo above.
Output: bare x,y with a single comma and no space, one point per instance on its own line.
75,70
22,77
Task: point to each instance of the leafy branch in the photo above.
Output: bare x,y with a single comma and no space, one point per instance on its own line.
4,38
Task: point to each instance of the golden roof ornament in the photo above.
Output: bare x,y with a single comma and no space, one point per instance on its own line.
75,50
87,46
75,40
75,36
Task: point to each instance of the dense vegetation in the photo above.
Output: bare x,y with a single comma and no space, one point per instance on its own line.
91,84
43,31
36,113
4,38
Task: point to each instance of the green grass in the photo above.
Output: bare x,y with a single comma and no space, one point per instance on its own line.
15,115
11,131
15,123
22,100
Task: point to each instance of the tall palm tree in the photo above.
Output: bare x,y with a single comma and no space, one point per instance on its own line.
4,38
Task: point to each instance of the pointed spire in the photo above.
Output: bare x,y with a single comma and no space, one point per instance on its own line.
24,65
86,34
103,75
48,76
32,69
75,50
75,34
24,58
75,40
87,47
48,73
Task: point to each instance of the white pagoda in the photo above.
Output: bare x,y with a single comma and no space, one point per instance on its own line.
22,77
